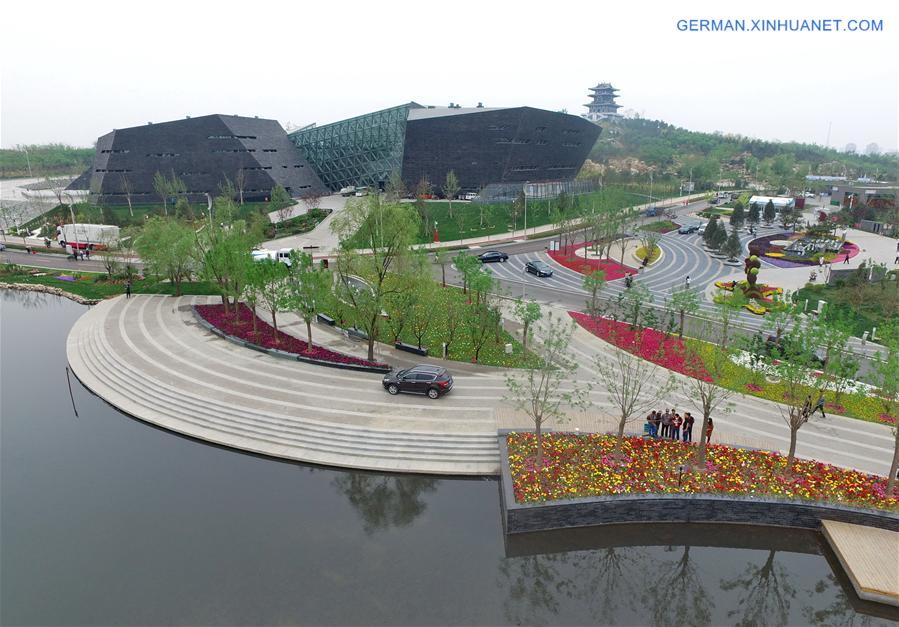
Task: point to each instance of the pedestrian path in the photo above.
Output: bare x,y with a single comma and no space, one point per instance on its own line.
149,357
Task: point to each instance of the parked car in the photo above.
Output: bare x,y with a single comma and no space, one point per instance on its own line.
538,268
433,381
688,228
651,212
492,256
701,230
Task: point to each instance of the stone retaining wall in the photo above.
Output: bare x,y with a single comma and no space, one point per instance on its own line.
672,508
48,289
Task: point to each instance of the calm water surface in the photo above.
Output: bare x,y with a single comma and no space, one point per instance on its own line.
106,520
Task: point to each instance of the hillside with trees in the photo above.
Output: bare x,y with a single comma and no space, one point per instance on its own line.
44,160
630,148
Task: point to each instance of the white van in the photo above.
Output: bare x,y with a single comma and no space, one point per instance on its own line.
282,255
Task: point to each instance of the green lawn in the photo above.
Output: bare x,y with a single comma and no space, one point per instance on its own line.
472,219
864,306
95,285
661,226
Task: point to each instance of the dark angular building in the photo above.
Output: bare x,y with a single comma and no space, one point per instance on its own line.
202,152
495,147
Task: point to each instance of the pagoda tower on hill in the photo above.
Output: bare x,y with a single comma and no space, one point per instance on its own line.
603,105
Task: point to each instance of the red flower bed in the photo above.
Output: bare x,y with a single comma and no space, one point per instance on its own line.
569,258
582,465
649,344
753,387
243,328
887,419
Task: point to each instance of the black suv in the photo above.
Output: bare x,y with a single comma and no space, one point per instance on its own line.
493,255
434,381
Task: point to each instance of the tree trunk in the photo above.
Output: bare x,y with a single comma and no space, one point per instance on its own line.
619,441
792,454
703,442
681,333
538,462
309,335
443,273
524,339
894,466
255,329
275,324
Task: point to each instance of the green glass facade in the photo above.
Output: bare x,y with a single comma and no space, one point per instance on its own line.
364,150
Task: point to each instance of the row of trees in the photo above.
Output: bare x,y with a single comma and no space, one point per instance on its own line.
634,385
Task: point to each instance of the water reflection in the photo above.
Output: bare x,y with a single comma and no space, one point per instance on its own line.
384,501
765,593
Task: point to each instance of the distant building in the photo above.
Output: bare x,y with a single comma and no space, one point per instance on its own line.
495,147
879,195
603,105
203,152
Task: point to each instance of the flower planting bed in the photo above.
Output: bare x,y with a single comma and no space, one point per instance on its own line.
648,344
241,328
662,226
857,400
568,257
776,256
582,465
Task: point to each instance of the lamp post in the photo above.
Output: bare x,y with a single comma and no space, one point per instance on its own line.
526,209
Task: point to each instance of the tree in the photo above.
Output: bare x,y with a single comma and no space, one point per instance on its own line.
273,290
422,314
161,186
770,212
753,216
395,190
466,265
223,250
386,230
634,385
240,182
649,240
307,288
398,305
731,246
593,282
719,237
250,291
280,202
440,258
884,375
478,322
683,301
527,313
423,192
705,370
709,235
167,249
542,390
517,208
791,358
738,217
454,316
128,190
450,189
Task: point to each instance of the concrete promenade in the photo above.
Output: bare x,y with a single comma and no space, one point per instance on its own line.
150,358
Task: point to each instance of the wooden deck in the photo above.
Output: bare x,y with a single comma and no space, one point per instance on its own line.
870,557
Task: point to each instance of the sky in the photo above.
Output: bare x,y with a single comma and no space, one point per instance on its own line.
72,71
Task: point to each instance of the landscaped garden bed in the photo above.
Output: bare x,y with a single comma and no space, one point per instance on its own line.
568,257
238,323
775,250
737,373
661,226
583,465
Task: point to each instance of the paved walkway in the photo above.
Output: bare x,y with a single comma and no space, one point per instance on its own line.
150,358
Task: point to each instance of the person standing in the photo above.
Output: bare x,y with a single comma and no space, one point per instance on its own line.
666,424
819,405
128,288
688,427
676,422
708,430
687,282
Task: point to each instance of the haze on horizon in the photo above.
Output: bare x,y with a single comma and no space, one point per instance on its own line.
74,71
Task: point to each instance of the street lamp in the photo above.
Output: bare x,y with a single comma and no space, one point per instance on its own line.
526,209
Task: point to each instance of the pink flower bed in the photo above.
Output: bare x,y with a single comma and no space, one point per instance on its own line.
849,250
649,344
567,256
243,328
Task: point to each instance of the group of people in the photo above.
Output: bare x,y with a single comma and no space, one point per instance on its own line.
672,426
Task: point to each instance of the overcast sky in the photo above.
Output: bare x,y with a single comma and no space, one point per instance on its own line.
72,71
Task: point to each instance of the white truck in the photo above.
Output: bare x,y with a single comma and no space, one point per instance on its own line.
87,236
282,255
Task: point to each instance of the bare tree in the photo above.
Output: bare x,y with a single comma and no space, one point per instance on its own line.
161,187
128,190
635,385
538,390
240,182
450,189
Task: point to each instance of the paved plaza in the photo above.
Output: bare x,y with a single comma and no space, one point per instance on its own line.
150,358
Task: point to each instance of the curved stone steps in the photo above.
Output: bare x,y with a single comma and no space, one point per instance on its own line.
124,384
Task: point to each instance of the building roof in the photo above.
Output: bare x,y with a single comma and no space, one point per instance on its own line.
439,112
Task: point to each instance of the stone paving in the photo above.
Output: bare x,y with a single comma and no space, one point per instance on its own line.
150,358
